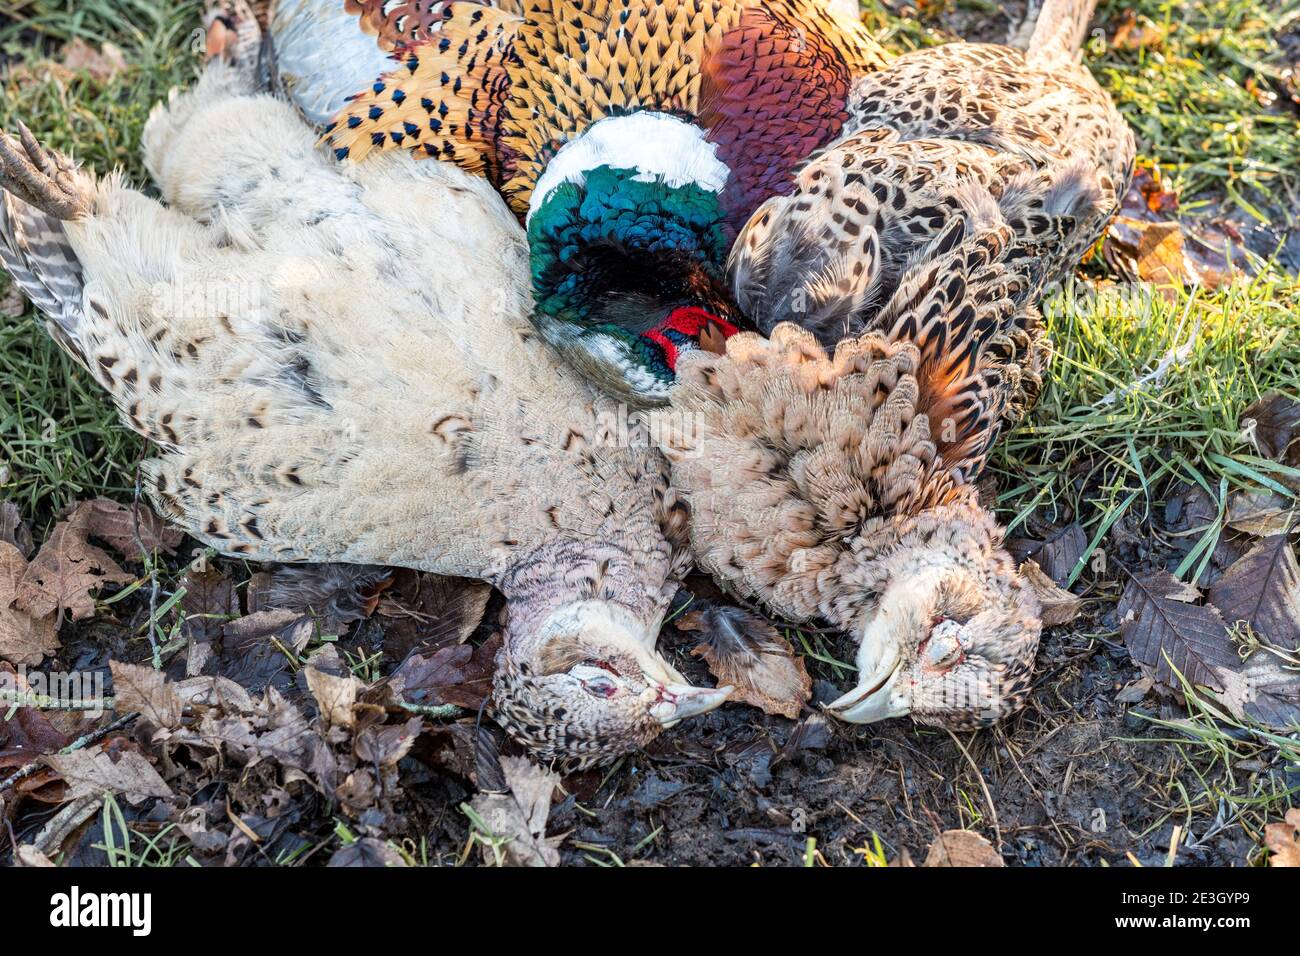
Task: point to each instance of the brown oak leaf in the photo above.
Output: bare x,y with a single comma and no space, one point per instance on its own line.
1283,839
147,692
746,651
24,638
962,848
1263,590
64,572
119,525
1164,629
95,772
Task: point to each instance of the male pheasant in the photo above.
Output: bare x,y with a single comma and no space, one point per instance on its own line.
634,137
334,364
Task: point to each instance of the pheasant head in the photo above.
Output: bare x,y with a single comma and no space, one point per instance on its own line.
950,633
588,686
627,240
635,137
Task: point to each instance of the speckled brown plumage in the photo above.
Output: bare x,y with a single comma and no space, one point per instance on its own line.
839,486
769,81
1033,127
310,350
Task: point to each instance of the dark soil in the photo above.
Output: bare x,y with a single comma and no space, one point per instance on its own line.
1067,782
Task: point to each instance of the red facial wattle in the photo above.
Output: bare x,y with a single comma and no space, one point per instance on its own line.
681,331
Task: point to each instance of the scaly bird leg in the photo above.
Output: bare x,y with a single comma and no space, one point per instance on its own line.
41,177
233,34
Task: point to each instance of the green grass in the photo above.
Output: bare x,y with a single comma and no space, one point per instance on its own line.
1189,102
1098,462
1099,444
59,436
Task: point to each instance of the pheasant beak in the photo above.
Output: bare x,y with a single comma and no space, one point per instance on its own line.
676,702
877,696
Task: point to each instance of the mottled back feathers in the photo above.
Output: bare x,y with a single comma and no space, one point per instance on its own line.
500,91
788,453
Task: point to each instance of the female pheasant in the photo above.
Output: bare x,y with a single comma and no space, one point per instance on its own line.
310,350
634,137
842,486
1033,126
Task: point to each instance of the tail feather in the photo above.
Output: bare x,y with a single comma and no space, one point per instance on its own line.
1059,32
34,250
39,191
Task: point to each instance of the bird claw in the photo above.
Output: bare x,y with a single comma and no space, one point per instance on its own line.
41,177
232,32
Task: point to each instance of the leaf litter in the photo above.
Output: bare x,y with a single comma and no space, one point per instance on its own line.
744,650
258,716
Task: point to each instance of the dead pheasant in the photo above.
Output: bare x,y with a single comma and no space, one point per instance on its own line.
969,179
634,136
334,364
840,486
1032,126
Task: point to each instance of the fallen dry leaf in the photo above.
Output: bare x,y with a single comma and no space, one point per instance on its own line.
335,693
24,638
27,855
1058,605
125,528
210,602
1148,241
1061,552
459,674
519,816
1263,590
254,651
1159,620
962,848
147,692
272,729
746,651
65,571
384,746
102,64
1273,424
1135,690
13,530
1160,616
367,852
1261,513
94,772
1263,689
1281,839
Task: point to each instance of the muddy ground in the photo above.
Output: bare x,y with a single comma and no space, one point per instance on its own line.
1066,781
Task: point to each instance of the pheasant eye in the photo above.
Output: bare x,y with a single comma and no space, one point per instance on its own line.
600,687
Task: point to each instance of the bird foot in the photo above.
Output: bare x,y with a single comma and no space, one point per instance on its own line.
233,33
41,177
